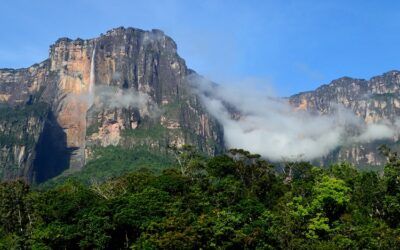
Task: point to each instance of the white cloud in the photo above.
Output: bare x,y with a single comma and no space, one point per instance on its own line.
114,97
271,127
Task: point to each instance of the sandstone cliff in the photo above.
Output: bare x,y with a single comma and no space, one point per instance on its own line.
127,87
377,99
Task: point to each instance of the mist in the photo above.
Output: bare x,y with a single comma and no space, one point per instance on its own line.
271,127
114,97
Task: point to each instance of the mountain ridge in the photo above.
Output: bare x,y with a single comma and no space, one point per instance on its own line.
129,88
137,69
373,100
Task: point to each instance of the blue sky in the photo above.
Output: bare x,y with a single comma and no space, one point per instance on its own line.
292,46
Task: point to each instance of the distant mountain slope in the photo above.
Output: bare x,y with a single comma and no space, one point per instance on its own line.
126,88
377,99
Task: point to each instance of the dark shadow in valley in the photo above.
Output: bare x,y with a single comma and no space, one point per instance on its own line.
52,154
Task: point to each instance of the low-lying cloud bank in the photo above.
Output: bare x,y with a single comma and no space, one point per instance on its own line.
272,128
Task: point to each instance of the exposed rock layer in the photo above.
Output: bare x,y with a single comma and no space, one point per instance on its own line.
132,63
374,100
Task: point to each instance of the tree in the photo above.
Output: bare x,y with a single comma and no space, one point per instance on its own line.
329,200
15,213
190,162
136,212
391,178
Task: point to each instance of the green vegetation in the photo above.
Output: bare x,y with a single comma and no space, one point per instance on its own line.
21,113
17,119
20,127
172,109
231,201
114,161
93,128
154,132
11,139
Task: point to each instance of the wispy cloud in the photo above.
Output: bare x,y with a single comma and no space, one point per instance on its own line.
114,97
271,127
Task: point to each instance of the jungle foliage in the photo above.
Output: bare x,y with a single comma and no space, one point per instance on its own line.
231,201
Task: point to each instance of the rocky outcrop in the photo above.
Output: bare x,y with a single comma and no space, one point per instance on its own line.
377,99
127,87
20,129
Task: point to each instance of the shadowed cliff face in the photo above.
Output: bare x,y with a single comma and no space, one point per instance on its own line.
20,129
52,153
99,93
375,100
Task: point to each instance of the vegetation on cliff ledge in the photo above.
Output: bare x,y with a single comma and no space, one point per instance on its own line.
231,201
15,126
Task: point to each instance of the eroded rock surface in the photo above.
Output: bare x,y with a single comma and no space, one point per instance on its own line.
156,108
374,100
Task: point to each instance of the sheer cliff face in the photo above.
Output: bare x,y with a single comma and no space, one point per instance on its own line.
375,100
127,88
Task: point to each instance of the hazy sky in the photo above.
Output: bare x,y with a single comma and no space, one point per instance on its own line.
290,45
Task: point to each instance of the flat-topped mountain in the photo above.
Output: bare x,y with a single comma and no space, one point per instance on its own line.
374,100
96,93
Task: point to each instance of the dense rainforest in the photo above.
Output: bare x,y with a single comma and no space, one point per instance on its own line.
232,201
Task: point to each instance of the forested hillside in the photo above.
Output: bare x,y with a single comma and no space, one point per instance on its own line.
231,201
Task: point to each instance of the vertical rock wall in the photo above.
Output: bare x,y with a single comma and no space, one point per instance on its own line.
126,63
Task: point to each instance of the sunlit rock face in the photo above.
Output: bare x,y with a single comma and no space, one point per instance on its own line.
72,63
374,100
127,87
